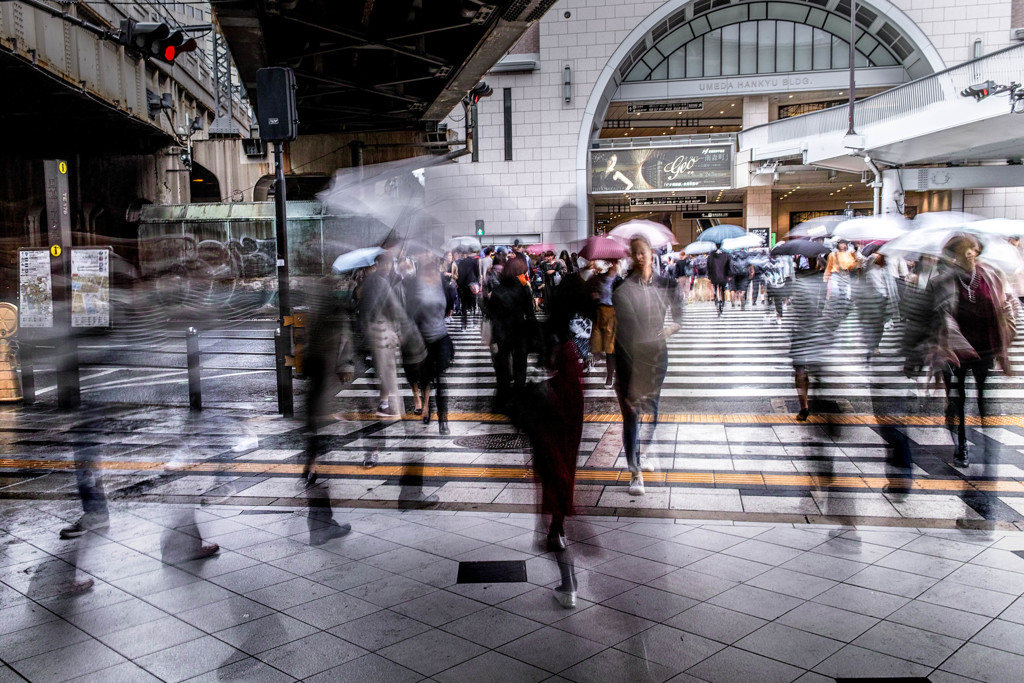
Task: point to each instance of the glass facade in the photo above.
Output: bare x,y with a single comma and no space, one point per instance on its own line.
744,38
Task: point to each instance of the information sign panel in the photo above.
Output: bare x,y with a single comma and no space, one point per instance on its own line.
631,170
90,287
35,288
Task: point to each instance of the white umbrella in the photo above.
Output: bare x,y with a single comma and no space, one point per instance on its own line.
355,259
657,234
700,247
931,220
822,226
749,241
462,243
996,251
871,228
1006,227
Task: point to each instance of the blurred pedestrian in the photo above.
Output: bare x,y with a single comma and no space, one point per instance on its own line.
513,324
641,353
808,340
468,280
718,273
428,305
974,328
602,338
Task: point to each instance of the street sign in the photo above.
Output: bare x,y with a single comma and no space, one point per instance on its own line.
737,213
684,199
90,287
35,288
664,106
763,233
55,250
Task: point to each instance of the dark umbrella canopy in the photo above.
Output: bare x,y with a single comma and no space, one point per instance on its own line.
806,248
720,233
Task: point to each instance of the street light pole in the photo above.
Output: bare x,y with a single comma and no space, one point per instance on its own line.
853,53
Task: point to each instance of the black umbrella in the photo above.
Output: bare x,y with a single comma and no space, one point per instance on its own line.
807,248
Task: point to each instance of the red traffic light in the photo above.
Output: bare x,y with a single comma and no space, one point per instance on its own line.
169,53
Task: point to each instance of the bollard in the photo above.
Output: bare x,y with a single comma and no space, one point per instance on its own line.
285,403
194,360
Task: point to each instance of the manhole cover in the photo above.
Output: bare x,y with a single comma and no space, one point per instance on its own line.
493,442
504,571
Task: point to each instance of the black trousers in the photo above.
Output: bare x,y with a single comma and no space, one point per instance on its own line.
956,393
468,299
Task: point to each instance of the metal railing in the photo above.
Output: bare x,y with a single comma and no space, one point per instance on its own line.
665,141
1002,67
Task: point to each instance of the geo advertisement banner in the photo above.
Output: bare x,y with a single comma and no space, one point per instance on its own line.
655,169
90,287
35,289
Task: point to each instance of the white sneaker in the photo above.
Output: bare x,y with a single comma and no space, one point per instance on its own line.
646,465
566,599
636,484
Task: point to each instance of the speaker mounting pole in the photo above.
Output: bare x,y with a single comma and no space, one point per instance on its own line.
278,118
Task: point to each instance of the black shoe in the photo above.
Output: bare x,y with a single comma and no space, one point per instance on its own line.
426,417
802,415
442,426
556,543
961,459
417,411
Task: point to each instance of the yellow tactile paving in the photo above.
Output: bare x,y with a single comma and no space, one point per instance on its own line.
613,476
722,418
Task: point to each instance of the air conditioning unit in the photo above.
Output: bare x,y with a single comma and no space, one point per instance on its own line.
1017,34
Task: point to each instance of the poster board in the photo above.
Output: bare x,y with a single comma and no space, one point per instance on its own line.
35,288
90,287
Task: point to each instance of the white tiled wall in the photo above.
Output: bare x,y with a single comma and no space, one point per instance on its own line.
536,192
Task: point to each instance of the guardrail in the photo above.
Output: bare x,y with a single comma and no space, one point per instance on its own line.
193,355
1002,67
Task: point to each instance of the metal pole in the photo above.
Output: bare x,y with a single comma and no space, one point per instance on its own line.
58,220
853,53
476,130
28,375
285,400
194,359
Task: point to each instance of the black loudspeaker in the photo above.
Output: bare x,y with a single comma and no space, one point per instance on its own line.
276,111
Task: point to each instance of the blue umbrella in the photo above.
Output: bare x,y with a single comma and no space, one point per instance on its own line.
357,258
720,233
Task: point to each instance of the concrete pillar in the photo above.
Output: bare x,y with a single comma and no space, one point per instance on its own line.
755,110
757,207
892,193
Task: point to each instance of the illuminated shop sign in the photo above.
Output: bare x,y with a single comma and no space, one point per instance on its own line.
656,169
681,199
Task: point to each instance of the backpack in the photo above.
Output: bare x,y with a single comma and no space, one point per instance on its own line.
738,268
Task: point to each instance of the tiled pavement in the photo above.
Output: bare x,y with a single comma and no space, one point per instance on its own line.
659,600
764,469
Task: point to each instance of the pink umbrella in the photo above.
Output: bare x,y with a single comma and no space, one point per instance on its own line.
538,249
657,234
600,248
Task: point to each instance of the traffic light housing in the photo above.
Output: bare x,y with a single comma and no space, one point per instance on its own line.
479,228
154,39
175,44
979,91
479,90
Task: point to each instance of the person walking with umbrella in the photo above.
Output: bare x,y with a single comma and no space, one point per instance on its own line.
428,304
974,328
641,352
718,272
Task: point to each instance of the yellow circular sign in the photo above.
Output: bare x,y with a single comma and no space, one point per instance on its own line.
55,250
62,167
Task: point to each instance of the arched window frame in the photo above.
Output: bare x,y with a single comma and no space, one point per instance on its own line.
813,23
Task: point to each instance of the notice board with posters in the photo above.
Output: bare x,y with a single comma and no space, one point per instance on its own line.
90,287
656,169
35,288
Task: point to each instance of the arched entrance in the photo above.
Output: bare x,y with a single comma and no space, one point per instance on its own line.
203,185
715,48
